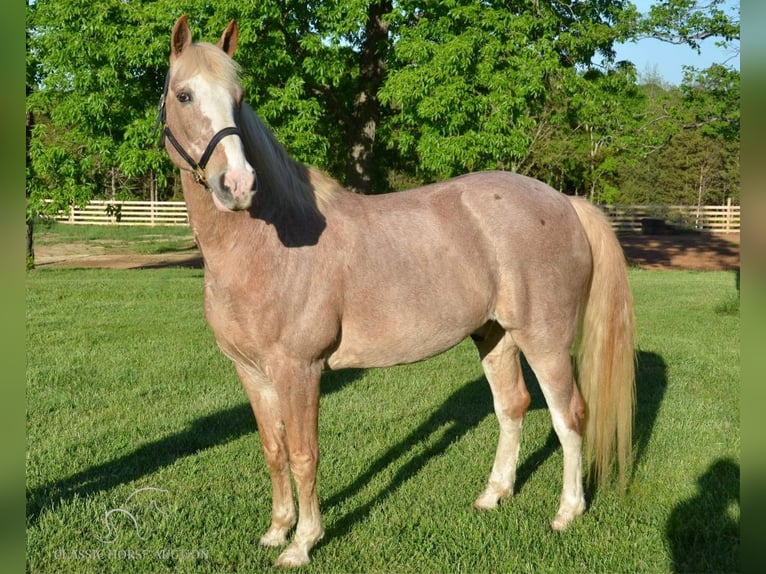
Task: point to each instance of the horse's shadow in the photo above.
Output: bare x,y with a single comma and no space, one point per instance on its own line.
458,415
463,411
651,384
205,432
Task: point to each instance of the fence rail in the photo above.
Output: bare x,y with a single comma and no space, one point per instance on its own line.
640,218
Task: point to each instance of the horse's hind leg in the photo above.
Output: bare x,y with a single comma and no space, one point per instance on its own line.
265,403
554,373
500,359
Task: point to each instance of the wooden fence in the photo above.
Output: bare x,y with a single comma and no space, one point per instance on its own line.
106,212
654,219
638,218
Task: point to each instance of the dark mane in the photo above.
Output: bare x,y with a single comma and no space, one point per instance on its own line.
289,183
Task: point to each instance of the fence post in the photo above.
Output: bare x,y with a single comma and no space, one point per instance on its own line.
728,214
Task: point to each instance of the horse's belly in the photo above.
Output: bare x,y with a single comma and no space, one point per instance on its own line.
385,352
391,332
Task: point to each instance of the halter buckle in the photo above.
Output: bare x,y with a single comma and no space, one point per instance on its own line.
199,176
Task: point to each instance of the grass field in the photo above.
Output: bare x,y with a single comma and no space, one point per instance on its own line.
133,414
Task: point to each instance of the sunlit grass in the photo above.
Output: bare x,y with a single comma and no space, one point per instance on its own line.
127,390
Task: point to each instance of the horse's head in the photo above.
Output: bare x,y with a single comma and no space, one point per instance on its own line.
200,109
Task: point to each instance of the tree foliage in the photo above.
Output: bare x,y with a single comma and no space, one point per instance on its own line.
381,92
698,163
688,22
96,67
469,81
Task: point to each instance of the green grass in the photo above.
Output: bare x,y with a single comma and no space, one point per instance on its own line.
126,390
113,238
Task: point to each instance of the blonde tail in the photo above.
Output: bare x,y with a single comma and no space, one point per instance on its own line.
605,352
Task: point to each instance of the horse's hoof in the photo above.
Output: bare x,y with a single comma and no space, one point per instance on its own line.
484,503
565,516
560,523
292,557
491,498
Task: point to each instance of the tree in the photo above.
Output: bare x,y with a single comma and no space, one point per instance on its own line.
468,80
30,124
313,71
698,159
712,98
367,90
316,71
687,22
600,124
93,81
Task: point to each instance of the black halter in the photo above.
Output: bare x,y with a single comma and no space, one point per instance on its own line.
198,168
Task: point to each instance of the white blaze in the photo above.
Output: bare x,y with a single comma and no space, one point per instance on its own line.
215,104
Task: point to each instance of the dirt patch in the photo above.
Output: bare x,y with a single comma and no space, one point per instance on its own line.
70,257
91,256
695,251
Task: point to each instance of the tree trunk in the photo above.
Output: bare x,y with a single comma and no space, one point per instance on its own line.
365,115
29,217
30,242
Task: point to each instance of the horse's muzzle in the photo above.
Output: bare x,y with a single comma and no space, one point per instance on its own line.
234,189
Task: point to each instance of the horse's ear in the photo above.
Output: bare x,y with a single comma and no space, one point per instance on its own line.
228,41
181,37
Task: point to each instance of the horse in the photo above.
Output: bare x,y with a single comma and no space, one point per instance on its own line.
302,276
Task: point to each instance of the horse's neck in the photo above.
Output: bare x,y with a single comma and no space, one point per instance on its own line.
215,232
262,238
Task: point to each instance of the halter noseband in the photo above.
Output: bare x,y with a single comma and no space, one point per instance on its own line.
198,168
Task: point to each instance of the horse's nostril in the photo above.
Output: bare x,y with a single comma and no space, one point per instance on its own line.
239,183
224,185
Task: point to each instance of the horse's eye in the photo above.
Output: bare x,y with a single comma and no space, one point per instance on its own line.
183,97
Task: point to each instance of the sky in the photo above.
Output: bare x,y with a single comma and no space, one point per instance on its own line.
667,60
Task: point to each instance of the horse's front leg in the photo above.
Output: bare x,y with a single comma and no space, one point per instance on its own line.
265,403
298,388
